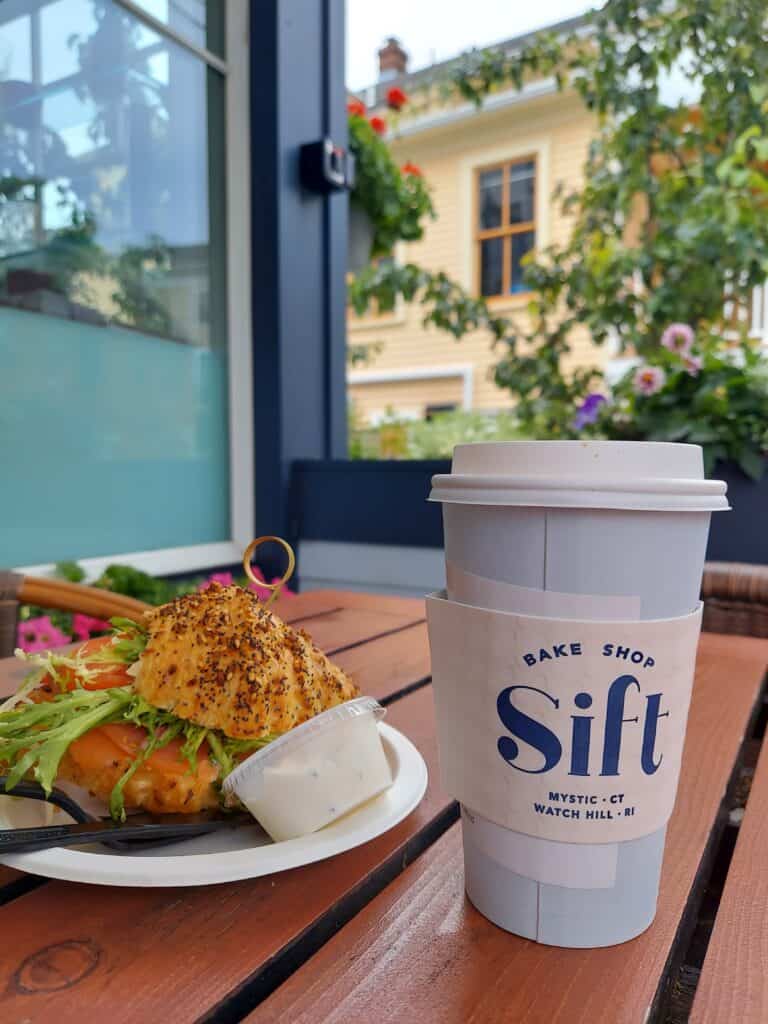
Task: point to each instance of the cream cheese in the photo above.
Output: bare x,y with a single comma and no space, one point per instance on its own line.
315,773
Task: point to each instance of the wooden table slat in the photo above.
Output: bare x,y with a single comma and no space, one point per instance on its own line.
390,664
734,980
375,602
346,627
419,951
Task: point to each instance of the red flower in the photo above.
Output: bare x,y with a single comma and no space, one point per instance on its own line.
410,168
356,108
396,98
378,124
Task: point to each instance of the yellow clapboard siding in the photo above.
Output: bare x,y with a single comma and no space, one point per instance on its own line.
557,130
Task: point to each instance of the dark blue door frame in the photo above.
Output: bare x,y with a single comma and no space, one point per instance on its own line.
299,247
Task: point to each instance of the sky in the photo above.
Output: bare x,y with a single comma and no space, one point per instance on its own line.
434,30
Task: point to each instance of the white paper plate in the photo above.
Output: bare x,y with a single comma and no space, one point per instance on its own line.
242,853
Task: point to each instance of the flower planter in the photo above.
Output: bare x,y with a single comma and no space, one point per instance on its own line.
360,238
367,502
740,535
384,502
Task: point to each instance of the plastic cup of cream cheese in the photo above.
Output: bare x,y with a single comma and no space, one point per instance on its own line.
316,772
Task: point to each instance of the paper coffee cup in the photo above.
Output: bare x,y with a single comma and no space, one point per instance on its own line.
586,532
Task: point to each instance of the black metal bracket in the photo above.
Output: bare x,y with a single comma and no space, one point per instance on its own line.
325,167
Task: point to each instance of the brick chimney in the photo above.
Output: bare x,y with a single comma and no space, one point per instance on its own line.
393,60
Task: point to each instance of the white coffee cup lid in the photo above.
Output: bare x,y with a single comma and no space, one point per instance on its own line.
634,475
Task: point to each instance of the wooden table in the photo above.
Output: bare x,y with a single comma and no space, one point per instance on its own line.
384,932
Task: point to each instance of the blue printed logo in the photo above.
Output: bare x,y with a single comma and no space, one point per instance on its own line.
524,728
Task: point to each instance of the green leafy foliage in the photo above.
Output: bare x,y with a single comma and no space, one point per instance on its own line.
692,181
123,579
70,571
395,201
35,737
723,407
431,439
447,305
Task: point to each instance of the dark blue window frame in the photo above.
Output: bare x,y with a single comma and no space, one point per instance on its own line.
299,247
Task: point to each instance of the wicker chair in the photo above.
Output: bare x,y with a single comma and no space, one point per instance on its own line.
735,598
47,593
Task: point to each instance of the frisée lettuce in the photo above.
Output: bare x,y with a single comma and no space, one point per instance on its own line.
34,736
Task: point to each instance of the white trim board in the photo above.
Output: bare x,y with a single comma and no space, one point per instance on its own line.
465,371
162,562
376,568
496,101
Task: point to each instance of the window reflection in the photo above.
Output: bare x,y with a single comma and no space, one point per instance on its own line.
190,19
106,166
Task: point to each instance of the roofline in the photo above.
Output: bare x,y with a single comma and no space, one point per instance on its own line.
496,101
567,25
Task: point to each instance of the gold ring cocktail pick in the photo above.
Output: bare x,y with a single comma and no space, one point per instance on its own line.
277,585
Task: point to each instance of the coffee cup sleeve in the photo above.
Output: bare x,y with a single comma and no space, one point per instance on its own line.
562,729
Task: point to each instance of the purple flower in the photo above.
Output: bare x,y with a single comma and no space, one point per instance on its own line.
648,380
692,364
678,338
588,411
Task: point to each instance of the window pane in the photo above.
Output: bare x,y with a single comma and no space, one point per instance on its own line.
490,199
490,266
113,351
521,184
521,244
197,20
15,54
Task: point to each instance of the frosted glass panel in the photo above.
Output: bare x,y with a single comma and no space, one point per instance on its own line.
112,441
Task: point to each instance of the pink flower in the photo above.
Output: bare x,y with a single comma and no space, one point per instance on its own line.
648,380
39,635
224,578
678,338
692,364
84,625
264,593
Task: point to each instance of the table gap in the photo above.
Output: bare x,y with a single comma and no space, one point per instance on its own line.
680,977
313,615
405,691
242,1001
20,887
376,636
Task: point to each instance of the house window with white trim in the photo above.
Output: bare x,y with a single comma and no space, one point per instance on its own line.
121,314
505,225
